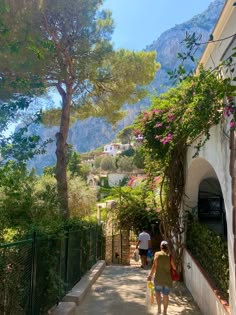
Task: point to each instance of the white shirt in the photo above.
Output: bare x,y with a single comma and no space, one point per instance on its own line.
144,237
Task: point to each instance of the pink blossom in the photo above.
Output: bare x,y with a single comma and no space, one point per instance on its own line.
171,117
232,124
228,110
170,137
166,139
158,124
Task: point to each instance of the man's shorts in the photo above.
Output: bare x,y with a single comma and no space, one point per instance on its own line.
143,252
164,289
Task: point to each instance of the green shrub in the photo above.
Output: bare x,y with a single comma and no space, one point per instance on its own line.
211,251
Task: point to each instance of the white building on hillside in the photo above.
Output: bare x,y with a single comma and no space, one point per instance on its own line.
114,149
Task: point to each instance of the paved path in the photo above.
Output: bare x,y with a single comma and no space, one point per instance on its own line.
120,290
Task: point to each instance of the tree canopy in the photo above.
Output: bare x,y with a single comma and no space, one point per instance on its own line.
66,45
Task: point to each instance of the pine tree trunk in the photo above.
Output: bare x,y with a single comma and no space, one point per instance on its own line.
61,147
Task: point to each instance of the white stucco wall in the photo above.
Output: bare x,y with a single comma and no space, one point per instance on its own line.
213,161
115,179
200,288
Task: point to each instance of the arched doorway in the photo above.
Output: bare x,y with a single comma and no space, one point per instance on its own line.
211,209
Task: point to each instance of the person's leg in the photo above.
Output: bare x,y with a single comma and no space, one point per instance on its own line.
165,292
165,303
145,261
158,298
143,255
142,261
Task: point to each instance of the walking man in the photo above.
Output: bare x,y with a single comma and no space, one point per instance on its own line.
143,244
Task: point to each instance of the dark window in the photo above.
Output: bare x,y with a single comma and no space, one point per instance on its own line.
209,208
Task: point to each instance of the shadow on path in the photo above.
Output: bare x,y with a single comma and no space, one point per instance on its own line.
120,290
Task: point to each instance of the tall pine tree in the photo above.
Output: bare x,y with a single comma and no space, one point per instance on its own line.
66,45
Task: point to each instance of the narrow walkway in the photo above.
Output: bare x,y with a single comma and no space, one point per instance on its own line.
120,290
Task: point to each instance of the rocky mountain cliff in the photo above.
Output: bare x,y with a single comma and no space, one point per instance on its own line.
91,133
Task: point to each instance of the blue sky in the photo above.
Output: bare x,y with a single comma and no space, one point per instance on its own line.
140,22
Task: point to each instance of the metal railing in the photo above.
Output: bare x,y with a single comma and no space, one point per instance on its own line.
36,273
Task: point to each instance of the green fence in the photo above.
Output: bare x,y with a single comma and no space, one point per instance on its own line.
36,273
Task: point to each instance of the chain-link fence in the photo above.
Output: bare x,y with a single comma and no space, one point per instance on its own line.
36,273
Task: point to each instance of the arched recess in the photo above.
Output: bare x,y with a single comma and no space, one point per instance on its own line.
203,192
198,170
211,209
203,181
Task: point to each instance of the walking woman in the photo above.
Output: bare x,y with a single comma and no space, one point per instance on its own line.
162,279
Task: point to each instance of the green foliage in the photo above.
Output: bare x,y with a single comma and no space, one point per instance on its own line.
17,145
74,164
129,152
84,171
134,208
184,113
125,164
97,162
82,199
108,163
139,158
52,270
211,251
26,201
126,134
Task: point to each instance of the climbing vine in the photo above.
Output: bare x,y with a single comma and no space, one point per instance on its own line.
175,120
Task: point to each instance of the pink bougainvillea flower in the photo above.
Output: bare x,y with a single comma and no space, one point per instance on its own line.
155,111
169,137
163,141
158,124
146,116
228,110
170,117
166,139
232,124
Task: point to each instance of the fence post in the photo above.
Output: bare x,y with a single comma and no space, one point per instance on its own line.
112,245
96,244
33,275
121,247
66,258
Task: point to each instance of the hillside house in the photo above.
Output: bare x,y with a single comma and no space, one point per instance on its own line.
114,149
